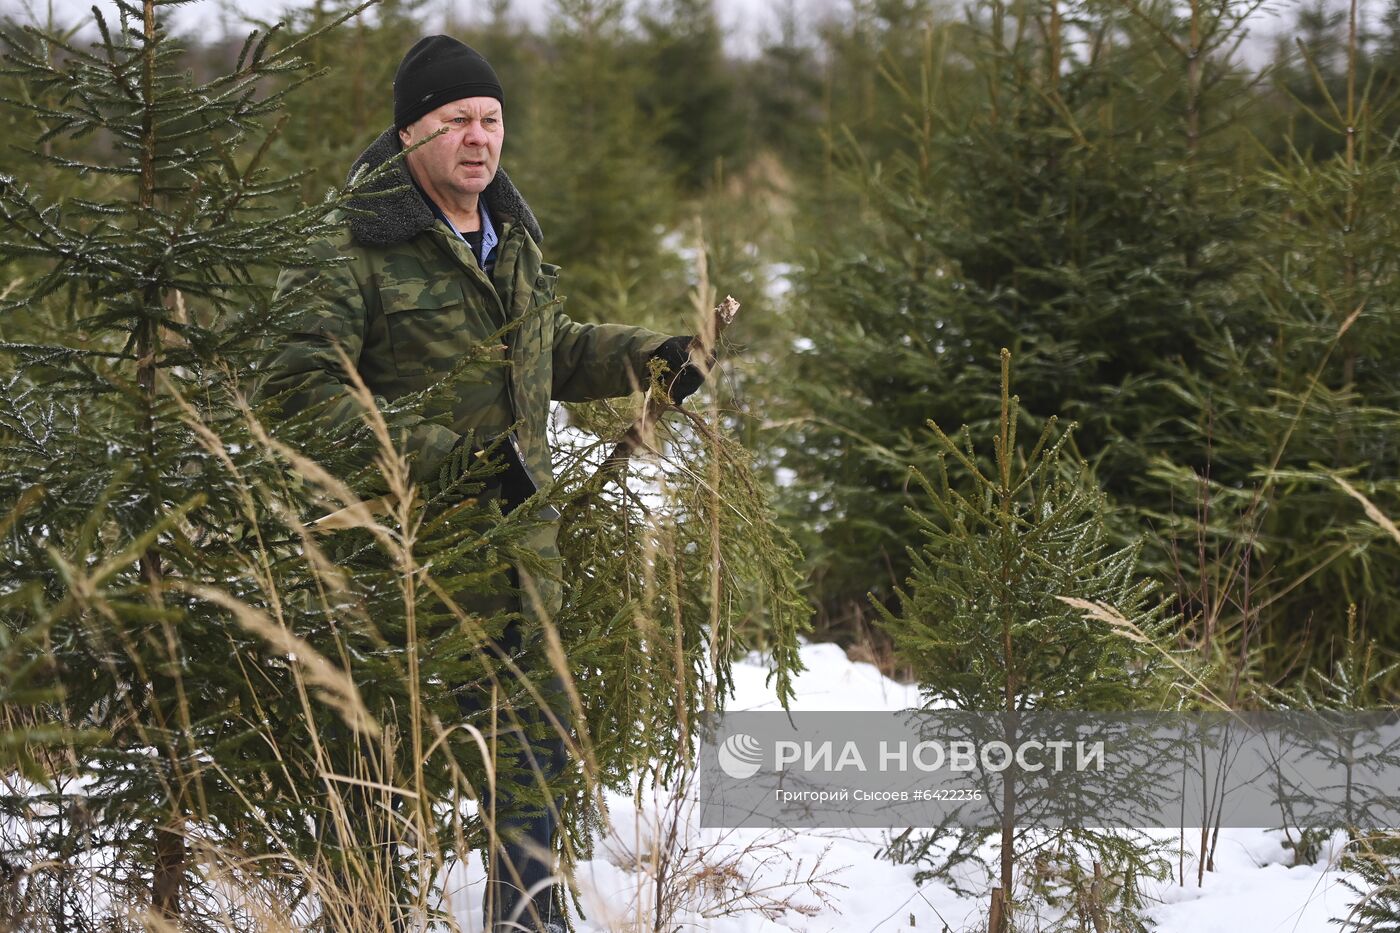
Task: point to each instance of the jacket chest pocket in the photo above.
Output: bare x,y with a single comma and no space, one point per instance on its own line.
427,326
546,283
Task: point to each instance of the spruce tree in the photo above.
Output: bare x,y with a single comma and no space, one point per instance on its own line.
594,170
1293,401
1019,602
784,94
162,591
353,104
1074,201
691,93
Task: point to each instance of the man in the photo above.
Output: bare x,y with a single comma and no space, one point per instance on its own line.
436,268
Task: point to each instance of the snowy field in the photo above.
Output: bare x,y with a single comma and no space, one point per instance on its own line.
752,881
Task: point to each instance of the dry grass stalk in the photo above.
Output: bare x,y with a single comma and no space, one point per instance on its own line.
336,686
1373,513
1107,614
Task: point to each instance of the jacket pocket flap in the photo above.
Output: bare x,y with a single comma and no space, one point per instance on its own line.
425,296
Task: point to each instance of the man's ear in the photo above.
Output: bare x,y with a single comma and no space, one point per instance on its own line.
404,137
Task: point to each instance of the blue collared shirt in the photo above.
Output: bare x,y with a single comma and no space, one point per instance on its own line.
487,257
488,236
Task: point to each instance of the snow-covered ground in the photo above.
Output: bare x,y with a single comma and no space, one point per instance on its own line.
756,881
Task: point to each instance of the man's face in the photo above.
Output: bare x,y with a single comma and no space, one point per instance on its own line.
458,165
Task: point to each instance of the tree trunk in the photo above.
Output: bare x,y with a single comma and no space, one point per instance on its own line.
169,871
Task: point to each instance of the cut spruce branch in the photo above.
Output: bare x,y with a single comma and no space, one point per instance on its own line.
639,435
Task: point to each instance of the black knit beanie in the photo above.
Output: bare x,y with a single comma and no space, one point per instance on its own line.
436,71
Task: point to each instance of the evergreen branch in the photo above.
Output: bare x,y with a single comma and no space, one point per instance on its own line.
1321,82
49,352
343,17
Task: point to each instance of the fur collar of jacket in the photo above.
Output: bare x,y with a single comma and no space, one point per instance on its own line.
390,211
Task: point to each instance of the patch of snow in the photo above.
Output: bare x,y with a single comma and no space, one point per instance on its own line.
1252,890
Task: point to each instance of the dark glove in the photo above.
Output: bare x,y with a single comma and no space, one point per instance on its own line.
514,481
682,376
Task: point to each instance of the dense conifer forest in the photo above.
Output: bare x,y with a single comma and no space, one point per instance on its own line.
1147,258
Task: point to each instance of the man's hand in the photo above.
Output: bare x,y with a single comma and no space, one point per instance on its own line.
682,376
514,481
516,484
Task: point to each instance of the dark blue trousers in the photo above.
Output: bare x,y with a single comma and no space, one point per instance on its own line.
518,873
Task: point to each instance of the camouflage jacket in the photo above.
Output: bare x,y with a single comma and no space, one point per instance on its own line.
412,302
